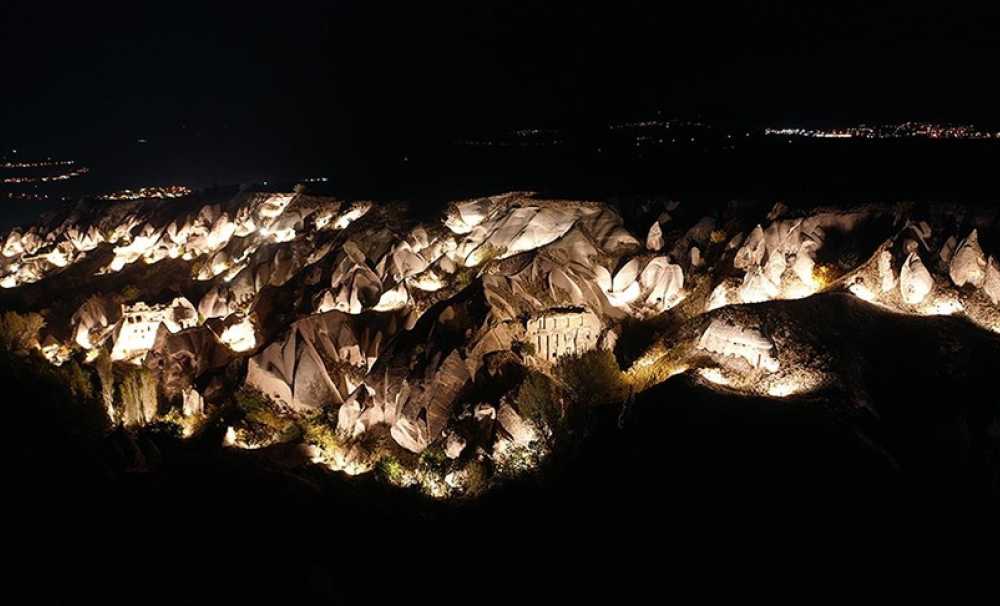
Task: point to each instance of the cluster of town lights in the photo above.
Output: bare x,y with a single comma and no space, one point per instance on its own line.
145,193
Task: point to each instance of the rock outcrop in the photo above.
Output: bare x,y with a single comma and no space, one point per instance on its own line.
420,331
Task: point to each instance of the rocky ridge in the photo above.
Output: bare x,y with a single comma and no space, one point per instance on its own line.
419,336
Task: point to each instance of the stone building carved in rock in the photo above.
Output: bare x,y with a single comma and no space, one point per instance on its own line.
555,335
136,331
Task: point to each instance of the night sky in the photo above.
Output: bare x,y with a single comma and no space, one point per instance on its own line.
326,85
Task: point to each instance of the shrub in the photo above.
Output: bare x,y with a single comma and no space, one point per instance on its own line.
164,428
538,399
592,379
130,293
389,468
476,478
78,380
259,411
19,332
433,458
319,431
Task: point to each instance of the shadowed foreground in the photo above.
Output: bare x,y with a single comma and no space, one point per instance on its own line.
691,468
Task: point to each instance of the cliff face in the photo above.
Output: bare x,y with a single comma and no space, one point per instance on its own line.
419,334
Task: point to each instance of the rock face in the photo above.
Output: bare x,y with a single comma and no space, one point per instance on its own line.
915,282
779,261
654,240
738,342
968,265
561,334
520,431
887,279
139,324
423,329
991,281
94,321
322,359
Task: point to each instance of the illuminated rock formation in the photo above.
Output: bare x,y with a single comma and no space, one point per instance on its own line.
991,281
887,279
562,334
968,265
139,323
94,321
915,282
322,359
654,239
738,342
420,331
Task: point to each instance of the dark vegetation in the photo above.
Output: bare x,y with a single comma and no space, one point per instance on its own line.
680,470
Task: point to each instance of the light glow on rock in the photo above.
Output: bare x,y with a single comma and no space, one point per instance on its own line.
713,375
862,292
942,306
239,336
797,384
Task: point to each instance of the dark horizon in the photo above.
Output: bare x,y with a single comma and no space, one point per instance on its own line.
354,79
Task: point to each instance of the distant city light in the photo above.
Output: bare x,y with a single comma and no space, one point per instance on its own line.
904,130
40,164
76,172
168,191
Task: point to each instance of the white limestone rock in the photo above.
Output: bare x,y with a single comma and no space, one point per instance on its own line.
735,341
991,282
968,265
239,333
626,276
521,431
696,259
547,226
12,246
915,282
662,283
454,446
411,434
425,413
752,252
192,403
887,278
654,239
94,321
756,287
775,267
321,360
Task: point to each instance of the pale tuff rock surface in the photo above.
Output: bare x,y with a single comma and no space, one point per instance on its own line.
654,240
738,342
915,282
779,261
420,332
322,359
94,321
991,282
139,324
968,266
560,334
933,264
